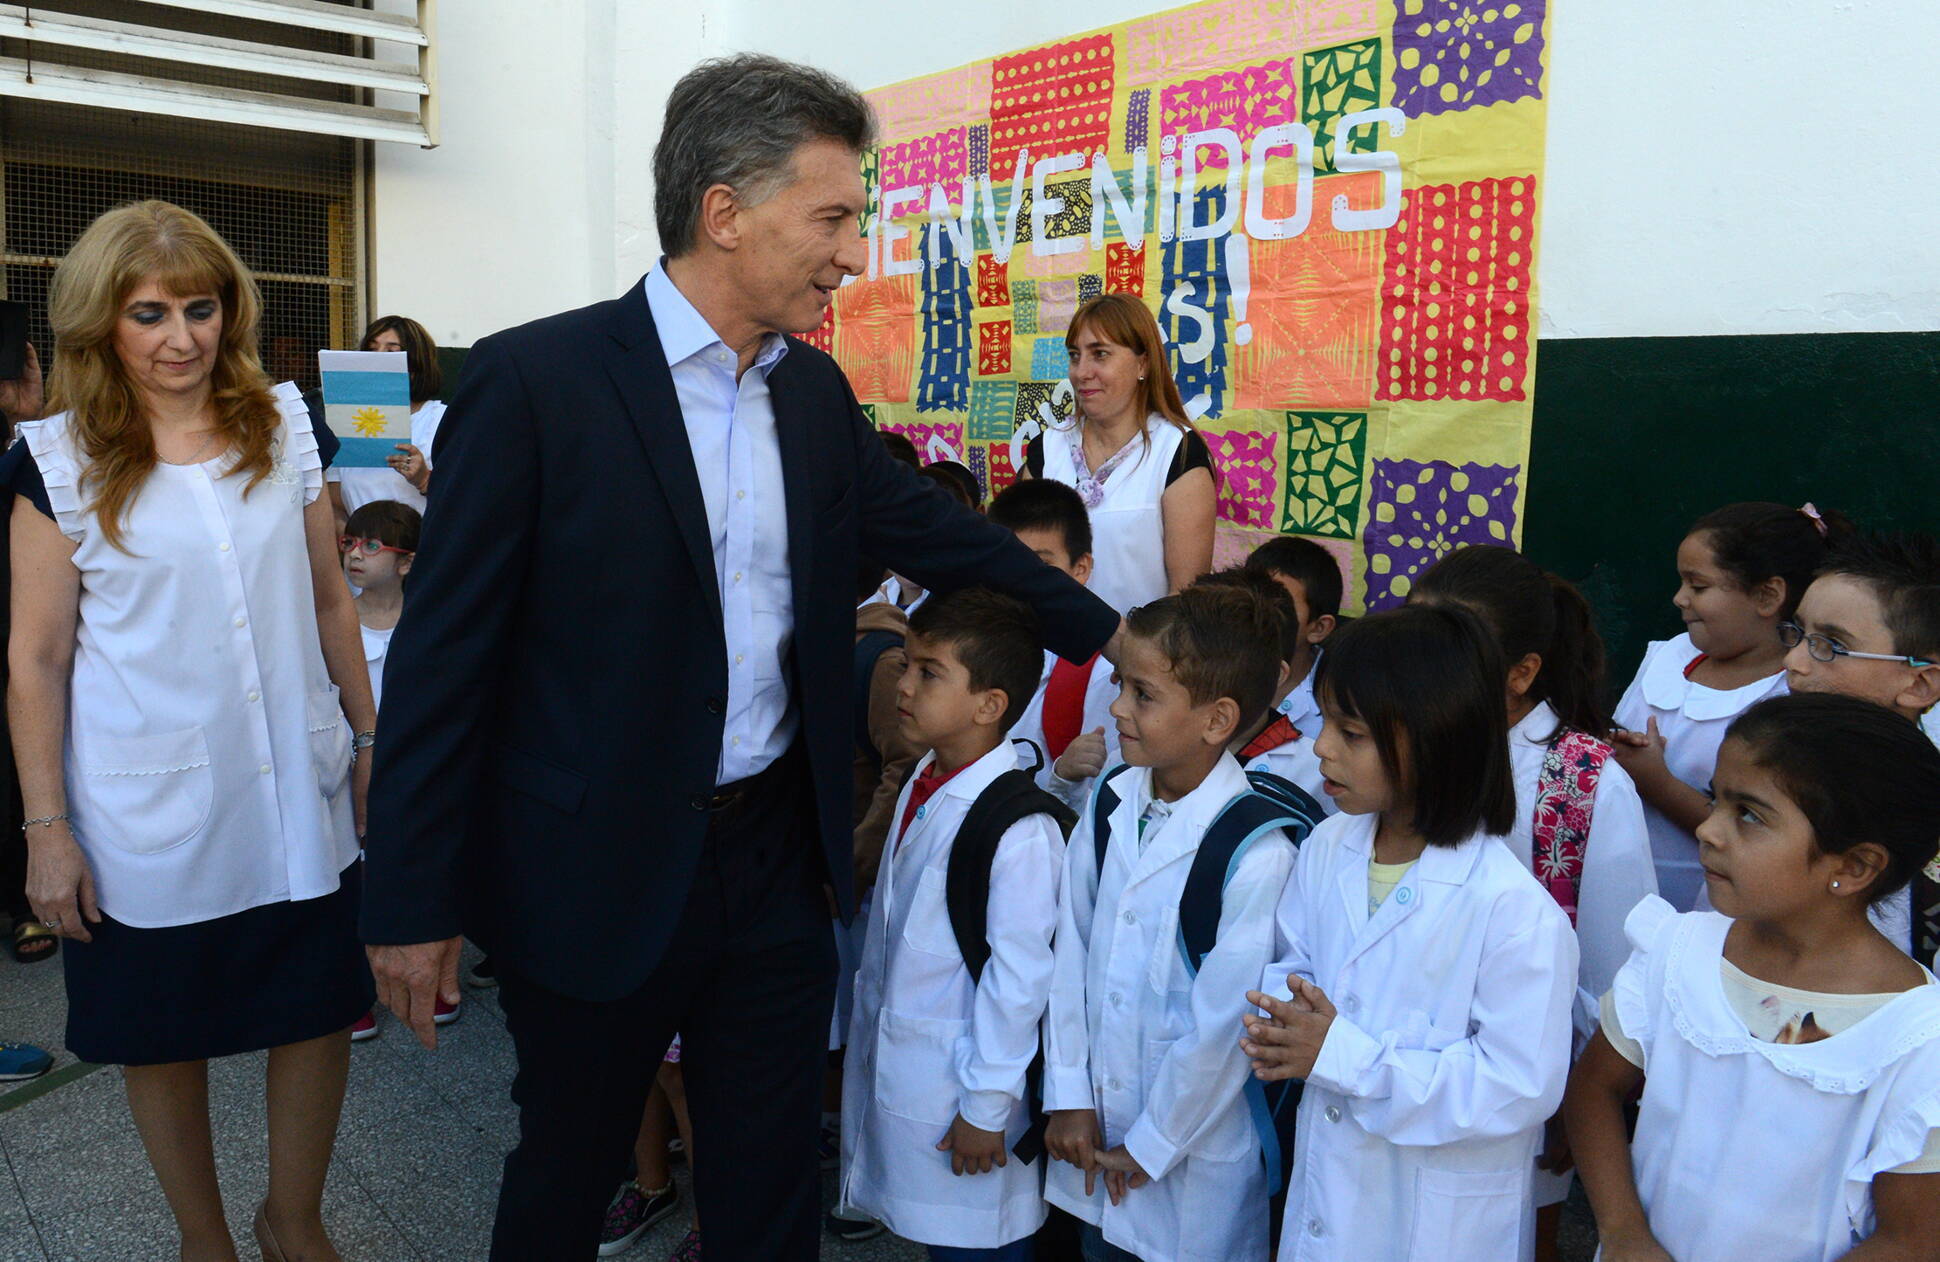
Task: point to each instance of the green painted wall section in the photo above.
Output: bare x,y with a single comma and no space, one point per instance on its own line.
1635,438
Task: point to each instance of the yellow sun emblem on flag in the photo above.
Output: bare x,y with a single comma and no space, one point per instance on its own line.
368,422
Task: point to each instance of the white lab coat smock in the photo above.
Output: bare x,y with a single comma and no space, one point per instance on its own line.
926,1043
1154,1050
1755,1150
1692,720
1421,1119
1100,692
207,760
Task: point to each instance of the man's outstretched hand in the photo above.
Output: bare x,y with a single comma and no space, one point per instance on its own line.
411,978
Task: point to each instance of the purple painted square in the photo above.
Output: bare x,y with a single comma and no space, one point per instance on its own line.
1452,55
1420,512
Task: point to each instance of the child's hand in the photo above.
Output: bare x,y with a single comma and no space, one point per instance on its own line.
972,1149
1641,754
1072,1136
1122,1174
1084,757
1286,1042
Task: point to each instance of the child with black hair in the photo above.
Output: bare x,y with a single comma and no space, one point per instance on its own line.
1285,744
934,1085
1424,984
1741,571
1869,626
379,543
1579,824
1146,1088
1069,717
1789,1054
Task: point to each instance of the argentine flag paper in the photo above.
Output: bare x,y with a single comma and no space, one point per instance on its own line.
367,404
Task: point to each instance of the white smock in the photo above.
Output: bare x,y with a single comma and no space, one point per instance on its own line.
362,486
1100,692
1127,525
1295,761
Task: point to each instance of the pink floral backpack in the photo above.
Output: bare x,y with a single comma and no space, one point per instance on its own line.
1565,798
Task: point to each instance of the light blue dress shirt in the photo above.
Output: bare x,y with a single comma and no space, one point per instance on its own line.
731,430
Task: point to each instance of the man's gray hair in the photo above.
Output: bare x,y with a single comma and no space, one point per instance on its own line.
738,121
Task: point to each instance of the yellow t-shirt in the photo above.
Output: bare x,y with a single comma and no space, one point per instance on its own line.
1381,880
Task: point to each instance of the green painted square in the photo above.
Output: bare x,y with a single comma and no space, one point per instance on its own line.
993,411
1326,466
1336,82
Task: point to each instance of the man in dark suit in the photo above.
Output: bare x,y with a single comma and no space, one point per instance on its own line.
616,735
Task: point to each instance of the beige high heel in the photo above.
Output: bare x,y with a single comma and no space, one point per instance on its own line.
265,1238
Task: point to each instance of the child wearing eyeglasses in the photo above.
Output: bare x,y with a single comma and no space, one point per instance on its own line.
1869,627
1741,571
379,541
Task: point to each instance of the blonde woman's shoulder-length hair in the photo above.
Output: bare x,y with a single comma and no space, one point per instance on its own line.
121,251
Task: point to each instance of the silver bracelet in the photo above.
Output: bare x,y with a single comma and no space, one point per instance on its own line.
45,821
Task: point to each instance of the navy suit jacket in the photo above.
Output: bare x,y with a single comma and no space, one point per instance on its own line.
555,691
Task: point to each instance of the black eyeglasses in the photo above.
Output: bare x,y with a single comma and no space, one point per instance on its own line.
1824,649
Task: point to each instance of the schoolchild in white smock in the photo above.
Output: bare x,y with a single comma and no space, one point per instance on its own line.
379,543
1579,825
1424,983
1311,578
1741,571
406,474
1789,1054
1869,626
1132,455
934,1085
1154,1143
1069,718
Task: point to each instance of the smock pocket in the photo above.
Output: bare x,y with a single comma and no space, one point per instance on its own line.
329,740
143,794
916,1075
1466,1215
928,926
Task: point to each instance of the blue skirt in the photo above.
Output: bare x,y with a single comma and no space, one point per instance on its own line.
271,975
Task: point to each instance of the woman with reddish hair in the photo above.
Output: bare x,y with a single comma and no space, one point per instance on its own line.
1144,472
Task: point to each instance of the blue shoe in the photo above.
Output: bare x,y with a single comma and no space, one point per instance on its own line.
19,1062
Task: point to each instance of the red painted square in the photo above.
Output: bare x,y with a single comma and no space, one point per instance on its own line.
993,348
1124,268
993,282
1051,100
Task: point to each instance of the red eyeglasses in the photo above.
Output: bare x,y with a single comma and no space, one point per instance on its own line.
348,544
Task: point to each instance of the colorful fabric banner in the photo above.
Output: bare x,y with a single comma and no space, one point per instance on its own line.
1331,206
367,404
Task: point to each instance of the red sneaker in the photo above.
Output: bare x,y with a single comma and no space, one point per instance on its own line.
444,1013
366,1027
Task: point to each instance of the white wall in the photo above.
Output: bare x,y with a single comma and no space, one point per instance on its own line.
1729,167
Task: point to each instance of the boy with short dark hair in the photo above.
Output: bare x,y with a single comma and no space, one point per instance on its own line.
1284,744
1869,627
946,1020
1143,1077
1069,717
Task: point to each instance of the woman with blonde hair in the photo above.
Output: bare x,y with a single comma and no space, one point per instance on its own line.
1143,471
187,677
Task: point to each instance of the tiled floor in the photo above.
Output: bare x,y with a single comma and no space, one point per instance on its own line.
417,1161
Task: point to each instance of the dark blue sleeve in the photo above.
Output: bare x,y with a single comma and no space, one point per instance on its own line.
20,475
327,443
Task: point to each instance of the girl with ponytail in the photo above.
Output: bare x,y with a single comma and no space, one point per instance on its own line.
1579,823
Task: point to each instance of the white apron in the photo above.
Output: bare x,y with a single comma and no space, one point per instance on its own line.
1748,1149
1127,528
207,757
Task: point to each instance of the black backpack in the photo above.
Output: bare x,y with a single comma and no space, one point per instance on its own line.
1272,803
1007,800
